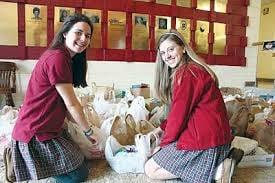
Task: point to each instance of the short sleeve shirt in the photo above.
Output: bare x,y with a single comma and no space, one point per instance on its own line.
43,111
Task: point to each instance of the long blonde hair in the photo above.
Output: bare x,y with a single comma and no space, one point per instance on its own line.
164,74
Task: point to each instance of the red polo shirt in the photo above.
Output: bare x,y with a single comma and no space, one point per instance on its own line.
197,118
43,111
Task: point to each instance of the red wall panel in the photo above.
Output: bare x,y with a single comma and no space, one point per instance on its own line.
235,19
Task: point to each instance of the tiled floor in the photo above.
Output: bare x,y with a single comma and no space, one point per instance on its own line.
100,172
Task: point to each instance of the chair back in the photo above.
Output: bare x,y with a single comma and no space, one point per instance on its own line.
7,77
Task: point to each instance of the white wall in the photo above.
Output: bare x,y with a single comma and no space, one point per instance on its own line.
123,74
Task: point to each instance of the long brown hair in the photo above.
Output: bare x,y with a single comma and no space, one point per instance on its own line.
164,74
79,60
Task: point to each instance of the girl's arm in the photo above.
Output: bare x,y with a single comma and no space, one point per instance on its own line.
70,118
185,94
74,107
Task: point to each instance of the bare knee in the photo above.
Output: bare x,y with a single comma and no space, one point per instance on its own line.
154,171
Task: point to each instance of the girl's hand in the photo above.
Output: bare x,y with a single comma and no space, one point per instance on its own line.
93,139
94,149
91,136
96,153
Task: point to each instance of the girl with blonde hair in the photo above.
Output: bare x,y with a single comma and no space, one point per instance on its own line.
196,133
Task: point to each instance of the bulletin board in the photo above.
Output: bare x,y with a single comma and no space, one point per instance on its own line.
128,30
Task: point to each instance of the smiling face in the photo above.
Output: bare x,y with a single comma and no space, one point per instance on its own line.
78,38
171,53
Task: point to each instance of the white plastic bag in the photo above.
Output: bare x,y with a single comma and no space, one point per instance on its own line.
130,159
138,110
106,126
8,116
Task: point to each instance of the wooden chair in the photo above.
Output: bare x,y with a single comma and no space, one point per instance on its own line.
7,81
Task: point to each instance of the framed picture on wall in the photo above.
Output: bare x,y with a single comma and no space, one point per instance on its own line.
9,24
95,17
162,24
63,14
36,25
60,14
116,29
140,20
183,26
269,45
140,31
36,14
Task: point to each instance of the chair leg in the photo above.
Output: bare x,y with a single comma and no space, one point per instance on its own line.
9,100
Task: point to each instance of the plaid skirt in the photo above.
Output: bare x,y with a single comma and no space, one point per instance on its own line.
191,166
37,160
